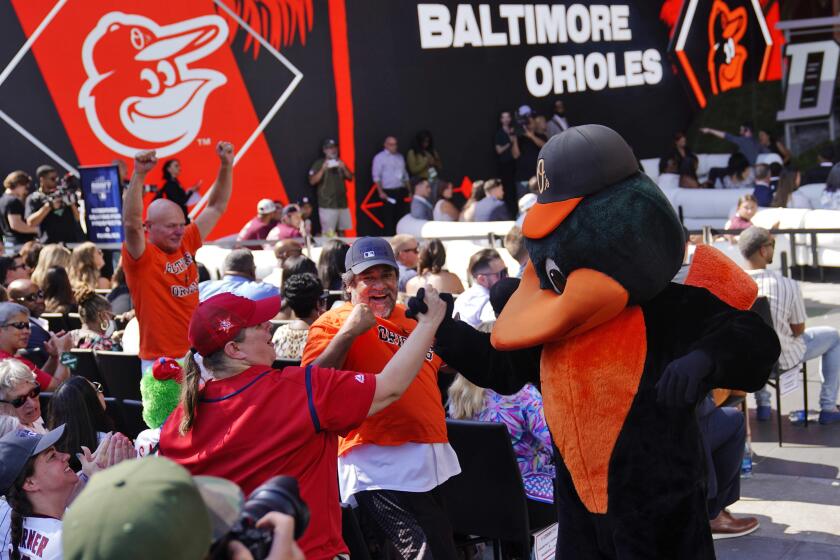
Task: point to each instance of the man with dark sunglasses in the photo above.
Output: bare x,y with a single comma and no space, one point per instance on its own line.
28,294
407,252
14,336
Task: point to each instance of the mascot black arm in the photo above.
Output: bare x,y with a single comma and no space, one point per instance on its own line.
742,347
471,354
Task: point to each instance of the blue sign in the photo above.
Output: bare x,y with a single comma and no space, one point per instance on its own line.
103,203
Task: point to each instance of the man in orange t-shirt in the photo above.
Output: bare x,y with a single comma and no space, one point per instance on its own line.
160,271
393,463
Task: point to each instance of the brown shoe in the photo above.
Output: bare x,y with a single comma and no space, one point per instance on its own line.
725,526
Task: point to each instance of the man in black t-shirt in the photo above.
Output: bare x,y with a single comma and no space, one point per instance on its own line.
53,211
530,141
15,230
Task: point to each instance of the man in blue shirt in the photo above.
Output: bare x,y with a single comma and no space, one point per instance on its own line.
492,208
239,279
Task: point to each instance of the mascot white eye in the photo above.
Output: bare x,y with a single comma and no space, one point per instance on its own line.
147,75
168,71
557,278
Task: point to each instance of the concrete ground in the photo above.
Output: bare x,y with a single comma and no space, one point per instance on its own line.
795,488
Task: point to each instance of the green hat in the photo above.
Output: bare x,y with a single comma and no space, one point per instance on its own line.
149,508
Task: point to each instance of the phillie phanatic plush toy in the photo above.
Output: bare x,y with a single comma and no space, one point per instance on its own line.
621,354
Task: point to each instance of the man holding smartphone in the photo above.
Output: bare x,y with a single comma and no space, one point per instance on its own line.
328,175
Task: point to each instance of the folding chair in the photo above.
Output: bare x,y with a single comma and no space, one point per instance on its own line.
762,308
131,413
121,372
86,366
487,500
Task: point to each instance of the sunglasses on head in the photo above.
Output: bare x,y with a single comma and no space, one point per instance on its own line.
20,401
20,325
34,296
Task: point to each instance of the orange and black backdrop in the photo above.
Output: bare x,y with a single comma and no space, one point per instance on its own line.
83,82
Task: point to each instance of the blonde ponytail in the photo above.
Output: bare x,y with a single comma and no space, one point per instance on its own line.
189,393
465,399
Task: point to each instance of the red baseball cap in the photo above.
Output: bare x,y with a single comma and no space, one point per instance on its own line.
219,319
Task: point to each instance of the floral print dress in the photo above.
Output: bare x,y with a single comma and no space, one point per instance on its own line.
522,414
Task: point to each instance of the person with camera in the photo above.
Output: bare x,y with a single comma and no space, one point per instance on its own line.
53,209
328,175
15,230
251,421
127,512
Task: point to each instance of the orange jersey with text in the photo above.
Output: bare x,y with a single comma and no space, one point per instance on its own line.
164,289
418,415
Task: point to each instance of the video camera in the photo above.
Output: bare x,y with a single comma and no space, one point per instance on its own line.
66,190
280,494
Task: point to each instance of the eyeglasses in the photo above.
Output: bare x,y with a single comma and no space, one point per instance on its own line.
98,386
501,274
18,266
20,401
20,325
34,296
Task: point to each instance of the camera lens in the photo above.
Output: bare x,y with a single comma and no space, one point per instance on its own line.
281,494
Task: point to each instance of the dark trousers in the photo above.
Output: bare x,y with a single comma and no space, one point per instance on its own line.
416,523
507,174
724,434
391,213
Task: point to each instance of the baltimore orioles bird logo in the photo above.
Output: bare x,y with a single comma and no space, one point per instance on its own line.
141,90
726,55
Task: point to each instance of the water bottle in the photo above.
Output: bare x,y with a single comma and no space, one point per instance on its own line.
797,416
746,463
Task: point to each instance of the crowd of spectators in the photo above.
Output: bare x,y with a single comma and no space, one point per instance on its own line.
382,437
759,162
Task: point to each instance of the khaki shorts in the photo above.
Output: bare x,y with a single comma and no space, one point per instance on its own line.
334,219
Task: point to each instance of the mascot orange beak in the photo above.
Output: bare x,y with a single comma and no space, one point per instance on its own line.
535,316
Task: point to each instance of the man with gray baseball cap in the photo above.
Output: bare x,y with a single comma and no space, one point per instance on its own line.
395,461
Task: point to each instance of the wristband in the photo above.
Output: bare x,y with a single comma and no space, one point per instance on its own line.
69,360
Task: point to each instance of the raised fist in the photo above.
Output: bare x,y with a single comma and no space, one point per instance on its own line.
144,161
225,151
360,321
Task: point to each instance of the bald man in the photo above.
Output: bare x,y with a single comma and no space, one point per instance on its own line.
28,294
159,257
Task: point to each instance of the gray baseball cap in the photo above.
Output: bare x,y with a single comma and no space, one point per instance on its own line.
367,252
17,447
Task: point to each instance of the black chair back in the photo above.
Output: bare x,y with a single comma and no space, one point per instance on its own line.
57,322
488,498
762,308
281,363
121,372
74,321
351,532
86,366
132,417
44,399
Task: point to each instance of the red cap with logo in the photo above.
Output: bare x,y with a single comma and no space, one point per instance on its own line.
219,319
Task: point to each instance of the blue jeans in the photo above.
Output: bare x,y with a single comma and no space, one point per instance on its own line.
825,342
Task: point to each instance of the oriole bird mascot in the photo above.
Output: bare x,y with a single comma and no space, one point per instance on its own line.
622,355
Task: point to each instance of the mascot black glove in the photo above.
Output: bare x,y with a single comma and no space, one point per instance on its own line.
417,304
680,384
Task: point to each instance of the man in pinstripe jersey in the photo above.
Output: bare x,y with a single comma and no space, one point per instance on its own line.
788,311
